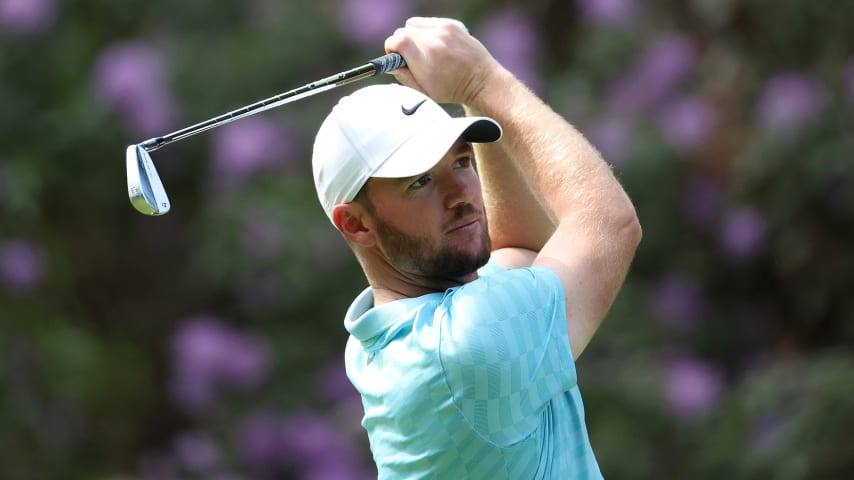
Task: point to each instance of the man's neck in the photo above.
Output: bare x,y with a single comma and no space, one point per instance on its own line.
399,286
389,283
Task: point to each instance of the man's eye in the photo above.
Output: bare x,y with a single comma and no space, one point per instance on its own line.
463,162
420,183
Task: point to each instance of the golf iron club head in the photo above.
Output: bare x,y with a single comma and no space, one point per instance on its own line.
145,189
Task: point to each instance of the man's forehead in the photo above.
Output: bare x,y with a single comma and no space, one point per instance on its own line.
461,146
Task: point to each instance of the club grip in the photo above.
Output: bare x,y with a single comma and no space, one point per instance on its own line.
388,63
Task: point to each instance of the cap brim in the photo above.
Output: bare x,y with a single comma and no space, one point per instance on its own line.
427,147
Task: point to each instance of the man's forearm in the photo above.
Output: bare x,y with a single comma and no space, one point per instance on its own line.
517,218
597,228
567,173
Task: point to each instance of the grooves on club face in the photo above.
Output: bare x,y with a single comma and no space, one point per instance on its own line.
145,189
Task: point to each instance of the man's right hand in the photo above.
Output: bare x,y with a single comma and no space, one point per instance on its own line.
443,60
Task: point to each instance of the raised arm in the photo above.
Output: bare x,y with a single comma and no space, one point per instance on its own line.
519,224
597,229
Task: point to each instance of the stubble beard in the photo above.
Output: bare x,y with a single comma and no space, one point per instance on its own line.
421,256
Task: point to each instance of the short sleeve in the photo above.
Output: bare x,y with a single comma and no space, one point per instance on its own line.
505,351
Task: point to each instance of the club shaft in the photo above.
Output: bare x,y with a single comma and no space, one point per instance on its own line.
386,63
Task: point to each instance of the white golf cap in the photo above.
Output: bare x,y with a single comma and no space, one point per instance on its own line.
386,131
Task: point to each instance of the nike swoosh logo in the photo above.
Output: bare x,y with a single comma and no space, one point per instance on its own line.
412,109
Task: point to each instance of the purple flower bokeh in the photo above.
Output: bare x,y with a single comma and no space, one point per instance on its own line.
369,22
608,12
656,73
261,442
262,236
788,101
195,451
512,39
27,16
692,387
156,464
21,265
210,356
612,136
701,201
677,301
250,146
304,442
686,123
333,383
743,233
130,78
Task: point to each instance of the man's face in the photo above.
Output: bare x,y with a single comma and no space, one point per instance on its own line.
433,225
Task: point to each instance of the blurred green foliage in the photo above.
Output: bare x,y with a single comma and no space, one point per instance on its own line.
727,354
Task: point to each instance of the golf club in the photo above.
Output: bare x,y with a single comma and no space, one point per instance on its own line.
145,188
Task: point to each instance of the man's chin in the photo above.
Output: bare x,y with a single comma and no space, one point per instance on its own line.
466,266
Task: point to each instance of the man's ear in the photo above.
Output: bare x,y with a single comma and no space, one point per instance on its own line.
352,221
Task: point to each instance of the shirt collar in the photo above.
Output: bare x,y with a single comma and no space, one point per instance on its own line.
374,326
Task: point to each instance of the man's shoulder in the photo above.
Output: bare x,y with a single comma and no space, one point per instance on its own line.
502,299
490,268
511,284
513,257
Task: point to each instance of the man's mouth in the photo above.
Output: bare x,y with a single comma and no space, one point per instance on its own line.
464,225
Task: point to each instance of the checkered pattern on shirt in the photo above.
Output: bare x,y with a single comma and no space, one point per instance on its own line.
505,352
498,401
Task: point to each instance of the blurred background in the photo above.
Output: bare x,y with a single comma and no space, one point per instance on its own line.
207,343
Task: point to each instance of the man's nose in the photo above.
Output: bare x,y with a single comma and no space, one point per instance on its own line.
458,190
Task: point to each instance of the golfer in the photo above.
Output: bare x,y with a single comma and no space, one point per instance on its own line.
487,279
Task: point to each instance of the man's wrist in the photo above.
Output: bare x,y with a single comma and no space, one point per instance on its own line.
491,91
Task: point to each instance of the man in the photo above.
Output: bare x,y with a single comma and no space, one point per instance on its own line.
486,283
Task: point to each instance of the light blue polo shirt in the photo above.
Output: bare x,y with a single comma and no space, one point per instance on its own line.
476,382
